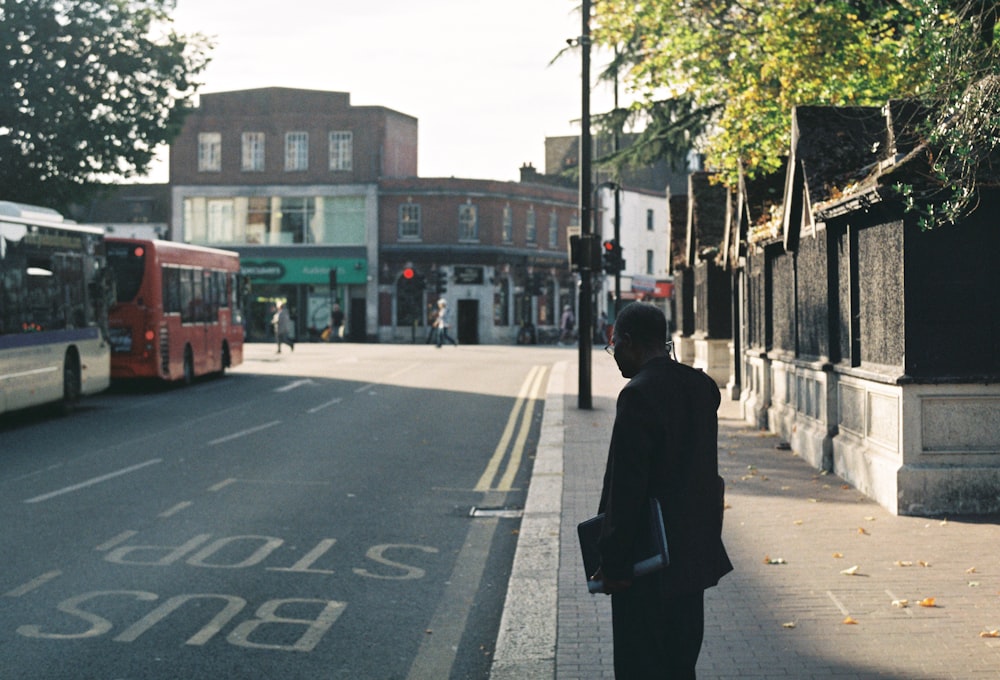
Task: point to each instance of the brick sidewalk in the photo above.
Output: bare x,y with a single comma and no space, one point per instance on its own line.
786,619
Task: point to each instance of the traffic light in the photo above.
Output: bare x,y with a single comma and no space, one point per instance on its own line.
612,257
412,280
441,281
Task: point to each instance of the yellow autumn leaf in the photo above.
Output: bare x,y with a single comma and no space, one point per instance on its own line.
927,602
850,620
922,563
863,531
798,522
904,563
838,555
990,634
970,570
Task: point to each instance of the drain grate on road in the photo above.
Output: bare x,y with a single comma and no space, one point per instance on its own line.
511,513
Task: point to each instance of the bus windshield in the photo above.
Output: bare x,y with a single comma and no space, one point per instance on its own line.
128,262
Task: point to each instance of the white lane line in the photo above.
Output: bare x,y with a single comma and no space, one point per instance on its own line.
292,385
92,482
243,433
33,584
364,388
316,409
115,541
183,505
222,485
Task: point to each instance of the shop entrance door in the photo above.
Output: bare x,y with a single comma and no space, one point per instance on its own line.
468,322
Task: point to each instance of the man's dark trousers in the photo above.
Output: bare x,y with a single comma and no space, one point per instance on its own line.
656,637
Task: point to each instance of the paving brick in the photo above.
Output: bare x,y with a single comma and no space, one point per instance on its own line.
781,507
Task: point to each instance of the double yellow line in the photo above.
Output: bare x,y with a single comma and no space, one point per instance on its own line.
524,406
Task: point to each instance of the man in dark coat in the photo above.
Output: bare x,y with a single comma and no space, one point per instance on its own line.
664,445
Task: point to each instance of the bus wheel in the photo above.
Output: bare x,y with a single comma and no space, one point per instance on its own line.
71,383
227,360
188,366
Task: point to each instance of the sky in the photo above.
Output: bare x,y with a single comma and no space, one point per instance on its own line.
476,74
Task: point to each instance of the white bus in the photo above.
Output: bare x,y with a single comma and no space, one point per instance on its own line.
53,309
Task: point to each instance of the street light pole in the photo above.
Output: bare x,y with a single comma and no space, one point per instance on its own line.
585,309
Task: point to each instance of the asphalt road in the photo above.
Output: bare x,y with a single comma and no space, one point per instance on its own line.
306,516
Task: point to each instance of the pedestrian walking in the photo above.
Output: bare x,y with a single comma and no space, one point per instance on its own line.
601,328
282,323
664,445
442,322
566,325
337,323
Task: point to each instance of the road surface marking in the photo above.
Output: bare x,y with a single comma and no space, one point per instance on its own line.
486,480
183,505
332,402
92,482
514,462
243,433
33,584
294,384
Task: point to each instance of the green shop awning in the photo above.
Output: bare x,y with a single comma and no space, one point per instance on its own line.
304,270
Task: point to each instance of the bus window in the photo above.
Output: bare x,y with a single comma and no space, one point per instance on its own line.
128,263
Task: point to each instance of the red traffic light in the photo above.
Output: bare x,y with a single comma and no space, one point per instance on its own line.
609,246
408,273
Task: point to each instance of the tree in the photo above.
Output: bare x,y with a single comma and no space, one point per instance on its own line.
725,74
91,88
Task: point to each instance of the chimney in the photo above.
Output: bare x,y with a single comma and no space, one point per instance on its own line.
528,173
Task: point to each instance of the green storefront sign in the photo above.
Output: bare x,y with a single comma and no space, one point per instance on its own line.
305,270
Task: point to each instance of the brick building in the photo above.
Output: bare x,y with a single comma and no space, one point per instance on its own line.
303,184
289,179
499,247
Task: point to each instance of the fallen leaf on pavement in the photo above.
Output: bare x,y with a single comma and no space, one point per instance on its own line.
863,531
851,621
927,602
924,564
852,571
970,570
798,522
776,560
870,518
904,563
838,555
973,584
790,624
901,604
990,634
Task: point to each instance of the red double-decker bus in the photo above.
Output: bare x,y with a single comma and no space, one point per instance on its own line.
178,313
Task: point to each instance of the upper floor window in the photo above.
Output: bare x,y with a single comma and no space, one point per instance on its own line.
209,152
530,227
296,151
253,152
468,223
341,150
649,262
507,227
553,229
409,221
649,220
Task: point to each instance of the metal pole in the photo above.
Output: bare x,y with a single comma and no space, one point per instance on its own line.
584,308
618,194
